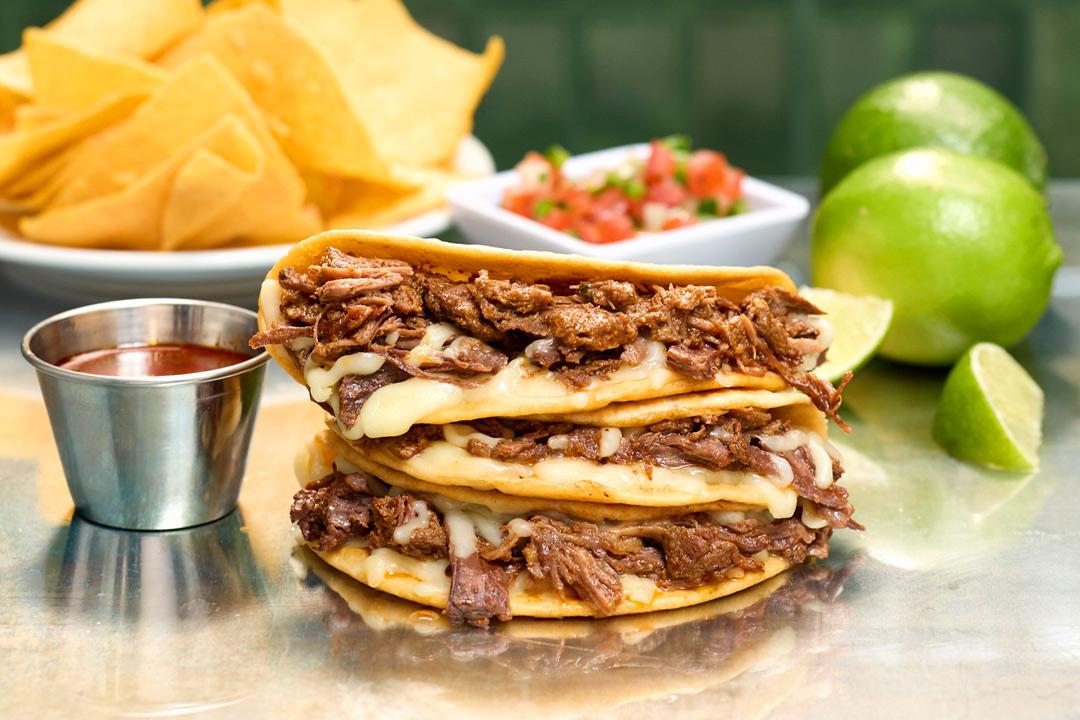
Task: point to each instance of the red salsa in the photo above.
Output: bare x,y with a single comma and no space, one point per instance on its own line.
672,186
152,360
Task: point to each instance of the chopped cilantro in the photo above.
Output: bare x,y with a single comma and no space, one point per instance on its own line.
678,143
738,207
543,208
707,206
556,155
634,189
680,172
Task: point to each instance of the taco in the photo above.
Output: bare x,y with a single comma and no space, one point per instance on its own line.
488,555
749,447
389,332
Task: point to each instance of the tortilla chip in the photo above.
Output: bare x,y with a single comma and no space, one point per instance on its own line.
368,205
21,149
138,28
32,116
415,92
131,218
187,105
9,104
204,188
68,76
293,85
218,7
35,188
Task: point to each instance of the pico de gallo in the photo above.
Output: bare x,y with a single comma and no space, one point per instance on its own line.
672,187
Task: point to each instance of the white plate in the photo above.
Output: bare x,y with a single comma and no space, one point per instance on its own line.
229,275
756,237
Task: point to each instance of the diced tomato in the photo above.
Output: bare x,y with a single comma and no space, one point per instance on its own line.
537,172
667,192
670,189
577,200
558,219
678,220
521,200
661,163
706,173
732,189
606,228
612,200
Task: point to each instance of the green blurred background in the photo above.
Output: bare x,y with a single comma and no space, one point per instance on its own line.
763,80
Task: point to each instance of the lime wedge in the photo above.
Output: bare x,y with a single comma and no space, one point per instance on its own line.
859,325
990,411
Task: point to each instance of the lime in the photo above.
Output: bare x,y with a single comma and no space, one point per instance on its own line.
990,411
859,324
933,109
963,246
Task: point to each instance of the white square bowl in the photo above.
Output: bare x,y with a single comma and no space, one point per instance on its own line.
755,237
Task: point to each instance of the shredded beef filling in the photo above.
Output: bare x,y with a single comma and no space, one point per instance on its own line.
581,332
718,442
579,560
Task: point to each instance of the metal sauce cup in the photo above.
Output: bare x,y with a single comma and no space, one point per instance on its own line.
150,453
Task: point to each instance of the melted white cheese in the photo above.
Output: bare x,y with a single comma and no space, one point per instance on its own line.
270,302
403,533
785,442
815,445
301,343
384,563
824,328
558,442
322,382
434,339
727,517
810,517
459,435
393,409
780,501
464,521
610,438
823,477
572,476
784,474
461,532
538,346
520,527
638,590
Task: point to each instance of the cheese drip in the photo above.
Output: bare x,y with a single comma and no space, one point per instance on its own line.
435,337
393,409
270,302
403,533
464,522
323,383
815,445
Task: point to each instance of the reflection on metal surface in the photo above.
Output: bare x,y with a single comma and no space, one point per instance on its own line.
922,508
171,594
745,653
178,576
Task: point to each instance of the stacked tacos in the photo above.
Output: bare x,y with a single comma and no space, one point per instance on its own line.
526,434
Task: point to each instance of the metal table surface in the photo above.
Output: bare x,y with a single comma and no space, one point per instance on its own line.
961,599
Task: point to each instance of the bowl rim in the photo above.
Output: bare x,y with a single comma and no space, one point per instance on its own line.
783,206
260,358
